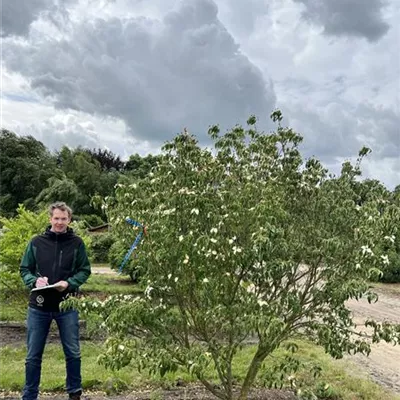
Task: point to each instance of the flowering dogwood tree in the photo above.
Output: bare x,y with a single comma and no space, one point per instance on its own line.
246,240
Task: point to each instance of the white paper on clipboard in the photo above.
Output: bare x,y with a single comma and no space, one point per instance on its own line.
56,285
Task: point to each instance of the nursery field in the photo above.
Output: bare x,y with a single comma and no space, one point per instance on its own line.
358,377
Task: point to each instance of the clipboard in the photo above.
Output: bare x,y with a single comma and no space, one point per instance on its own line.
56,285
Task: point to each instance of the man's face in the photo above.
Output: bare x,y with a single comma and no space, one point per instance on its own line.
59,221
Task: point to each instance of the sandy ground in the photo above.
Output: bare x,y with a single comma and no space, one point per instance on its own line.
383,364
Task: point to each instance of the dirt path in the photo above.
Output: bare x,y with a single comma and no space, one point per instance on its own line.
383,364
103,270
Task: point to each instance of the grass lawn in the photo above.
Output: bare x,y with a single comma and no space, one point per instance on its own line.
104,284
341,384
53,368
98,285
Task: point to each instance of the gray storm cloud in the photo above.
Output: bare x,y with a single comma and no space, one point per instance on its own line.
18,15
158,76
340,130
360,18
154,71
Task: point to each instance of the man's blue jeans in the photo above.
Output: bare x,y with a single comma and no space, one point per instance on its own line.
38,325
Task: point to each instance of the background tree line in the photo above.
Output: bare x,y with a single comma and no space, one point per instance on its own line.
33,176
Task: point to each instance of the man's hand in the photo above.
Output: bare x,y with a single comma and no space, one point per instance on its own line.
61,285
42,281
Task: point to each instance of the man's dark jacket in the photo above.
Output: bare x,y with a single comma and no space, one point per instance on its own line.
60,257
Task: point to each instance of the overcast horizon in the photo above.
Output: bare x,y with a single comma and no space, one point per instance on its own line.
127,75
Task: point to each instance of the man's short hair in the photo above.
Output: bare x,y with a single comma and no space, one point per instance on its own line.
60,205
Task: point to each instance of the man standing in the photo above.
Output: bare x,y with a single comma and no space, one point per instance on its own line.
57,257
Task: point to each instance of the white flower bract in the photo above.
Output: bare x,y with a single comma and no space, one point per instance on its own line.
236,249
390,238
385,259
366,250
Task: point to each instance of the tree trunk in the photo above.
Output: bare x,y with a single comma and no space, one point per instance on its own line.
255,365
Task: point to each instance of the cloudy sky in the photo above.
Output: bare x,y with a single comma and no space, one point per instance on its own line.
128,75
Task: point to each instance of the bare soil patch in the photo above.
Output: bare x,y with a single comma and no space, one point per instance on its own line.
383,364
188,393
